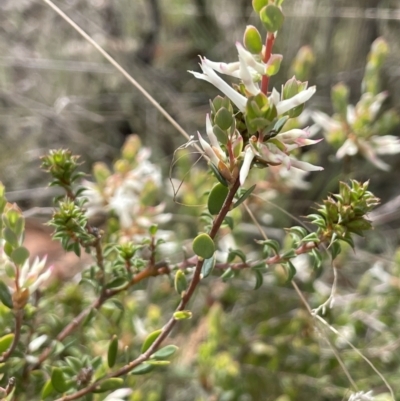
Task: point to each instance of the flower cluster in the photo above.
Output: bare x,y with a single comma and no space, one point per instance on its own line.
250,134
362,129
129,191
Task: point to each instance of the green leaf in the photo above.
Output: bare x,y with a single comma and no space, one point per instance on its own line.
142,369
208,266
153,229
279,124
150,340
259,278
223,118
113,383
158,363
228,220
216,198
117,282
58,380
19,255
165,352
291,271
270,244
228,274
218,175
290,254
244,196
252,40
10,237
312,237
236,252
112,351
5,296
259,4
5,342
317,259
335,249
203,246
47,389
182,315
180,282
272,18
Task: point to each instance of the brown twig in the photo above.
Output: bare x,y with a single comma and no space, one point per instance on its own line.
182,305
17,333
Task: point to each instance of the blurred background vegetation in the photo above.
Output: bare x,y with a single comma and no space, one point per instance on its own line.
57,91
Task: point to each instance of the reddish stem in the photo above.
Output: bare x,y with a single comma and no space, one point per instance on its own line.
269,43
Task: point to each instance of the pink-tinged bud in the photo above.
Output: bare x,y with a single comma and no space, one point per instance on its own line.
274,64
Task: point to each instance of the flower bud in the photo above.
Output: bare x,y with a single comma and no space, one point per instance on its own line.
340,99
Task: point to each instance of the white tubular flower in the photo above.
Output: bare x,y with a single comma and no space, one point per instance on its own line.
325,122
349,148
283,106
208,150
275,155
31,275
361,396
386,145
247,78
119,395
210,75
244,170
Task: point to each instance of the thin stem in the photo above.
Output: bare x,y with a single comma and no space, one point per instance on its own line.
269,43
118,67
96,304
17,334
182,305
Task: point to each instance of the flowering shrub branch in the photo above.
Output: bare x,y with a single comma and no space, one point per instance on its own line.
250,128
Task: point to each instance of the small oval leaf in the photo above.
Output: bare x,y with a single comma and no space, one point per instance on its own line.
182,315
113,383
272,17
142,369
47,389
150,340
217,198
165,352
203,246
5,295
208,266
20,255
180,282
58,380
112,351
5,342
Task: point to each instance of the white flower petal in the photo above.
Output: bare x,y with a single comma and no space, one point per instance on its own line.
325,122
351,115
275,97
118,394
210,133
247,79
386,144
210,75
295,101
208,150
244,170
369,153
348,148
377,104
304,165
